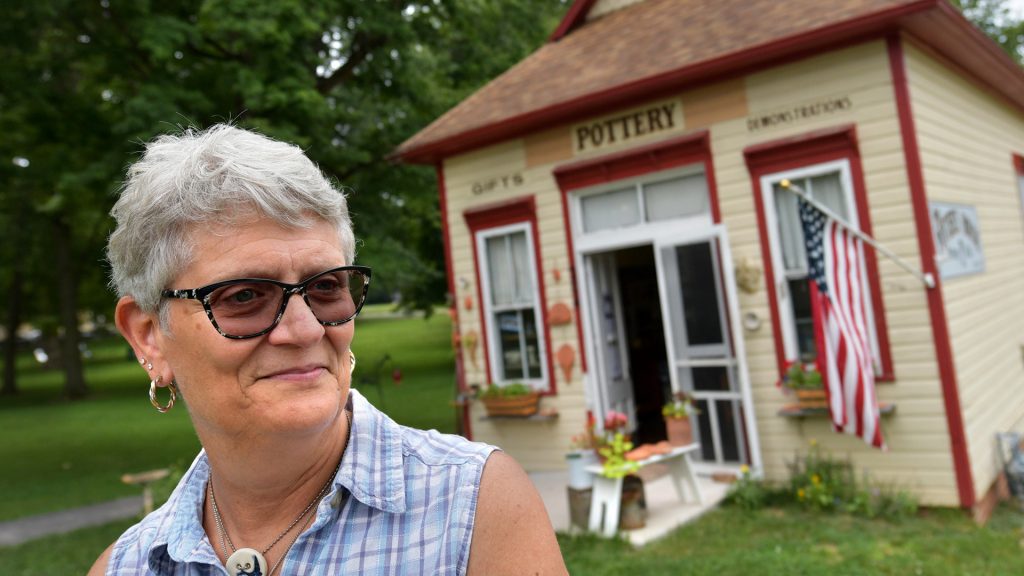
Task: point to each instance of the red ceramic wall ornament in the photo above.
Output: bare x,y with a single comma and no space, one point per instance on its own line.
566,357
559,314
557,274
467,303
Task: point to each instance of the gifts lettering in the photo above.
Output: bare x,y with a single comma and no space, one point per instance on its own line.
625,127
800,112
497,183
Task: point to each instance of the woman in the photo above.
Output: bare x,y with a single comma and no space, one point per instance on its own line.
233,259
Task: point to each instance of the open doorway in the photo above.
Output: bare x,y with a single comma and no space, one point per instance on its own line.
644,340
658,315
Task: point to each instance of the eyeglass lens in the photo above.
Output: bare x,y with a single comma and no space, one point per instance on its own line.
252,306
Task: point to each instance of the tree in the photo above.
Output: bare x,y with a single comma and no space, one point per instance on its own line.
348,80
993,17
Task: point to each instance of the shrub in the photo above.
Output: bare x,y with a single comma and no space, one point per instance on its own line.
747,492
818,481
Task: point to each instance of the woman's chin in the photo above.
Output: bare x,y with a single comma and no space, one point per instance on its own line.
303,405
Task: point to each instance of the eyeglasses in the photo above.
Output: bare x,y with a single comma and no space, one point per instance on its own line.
251,307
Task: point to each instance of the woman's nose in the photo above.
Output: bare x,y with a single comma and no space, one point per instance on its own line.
298,325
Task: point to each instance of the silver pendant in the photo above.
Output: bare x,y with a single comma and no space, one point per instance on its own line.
246,562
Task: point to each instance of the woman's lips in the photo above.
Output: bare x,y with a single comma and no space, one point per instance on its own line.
298,374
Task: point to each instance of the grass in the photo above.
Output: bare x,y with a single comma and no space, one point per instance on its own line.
57,454
792,541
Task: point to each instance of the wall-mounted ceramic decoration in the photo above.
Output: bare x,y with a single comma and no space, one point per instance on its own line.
559,314
566,357
556,274
467,303
748,276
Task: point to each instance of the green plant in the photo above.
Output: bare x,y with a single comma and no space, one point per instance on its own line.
747,492
802,376
819,481
616,465
681,406
512,390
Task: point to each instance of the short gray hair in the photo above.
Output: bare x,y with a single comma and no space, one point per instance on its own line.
223,175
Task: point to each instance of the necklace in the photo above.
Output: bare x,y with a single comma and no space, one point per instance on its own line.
250,562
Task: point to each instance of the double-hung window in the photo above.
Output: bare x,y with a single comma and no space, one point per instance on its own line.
511,304
830,185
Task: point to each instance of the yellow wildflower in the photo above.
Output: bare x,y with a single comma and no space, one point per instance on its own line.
800,494
814,442
815,479
744,469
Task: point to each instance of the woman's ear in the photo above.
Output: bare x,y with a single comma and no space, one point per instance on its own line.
141,330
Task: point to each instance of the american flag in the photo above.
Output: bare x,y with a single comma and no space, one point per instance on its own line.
840,325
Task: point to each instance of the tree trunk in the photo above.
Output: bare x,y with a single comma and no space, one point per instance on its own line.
67,288
10,384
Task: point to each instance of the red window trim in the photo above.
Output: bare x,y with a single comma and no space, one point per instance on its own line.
515,211
839,143
1018,164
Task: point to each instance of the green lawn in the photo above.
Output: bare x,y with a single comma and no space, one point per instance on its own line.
791,541
58,454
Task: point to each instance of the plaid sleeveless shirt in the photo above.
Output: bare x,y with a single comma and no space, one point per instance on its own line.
403,502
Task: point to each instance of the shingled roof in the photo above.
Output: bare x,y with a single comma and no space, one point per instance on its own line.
659,46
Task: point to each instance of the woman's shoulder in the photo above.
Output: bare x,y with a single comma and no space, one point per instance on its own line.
439,449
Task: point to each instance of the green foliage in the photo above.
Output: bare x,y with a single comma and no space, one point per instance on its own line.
681,406
994,18
615,464
510,390
747,492
84,83
819,482
801,376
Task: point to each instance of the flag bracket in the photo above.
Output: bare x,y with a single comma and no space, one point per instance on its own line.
926,278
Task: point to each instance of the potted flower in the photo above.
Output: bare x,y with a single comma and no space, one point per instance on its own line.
515,399
805,381
677,412
582,453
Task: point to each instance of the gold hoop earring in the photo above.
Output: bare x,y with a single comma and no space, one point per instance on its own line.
351,363
170,401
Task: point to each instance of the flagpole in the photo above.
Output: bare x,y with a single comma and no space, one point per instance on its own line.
926,278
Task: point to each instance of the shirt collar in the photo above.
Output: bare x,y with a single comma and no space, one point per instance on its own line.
372,469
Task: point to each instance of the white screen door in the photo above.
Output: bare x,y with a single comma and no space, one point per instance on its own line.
697,299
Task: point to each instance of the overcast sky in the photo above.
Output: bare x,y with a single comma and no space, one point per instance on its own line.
1016,7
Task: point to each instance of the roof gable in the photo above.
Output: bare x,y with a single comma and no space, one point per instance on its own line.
658,47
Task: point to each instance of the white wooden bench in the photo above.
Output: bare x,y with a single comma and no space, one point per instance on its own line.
604,505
